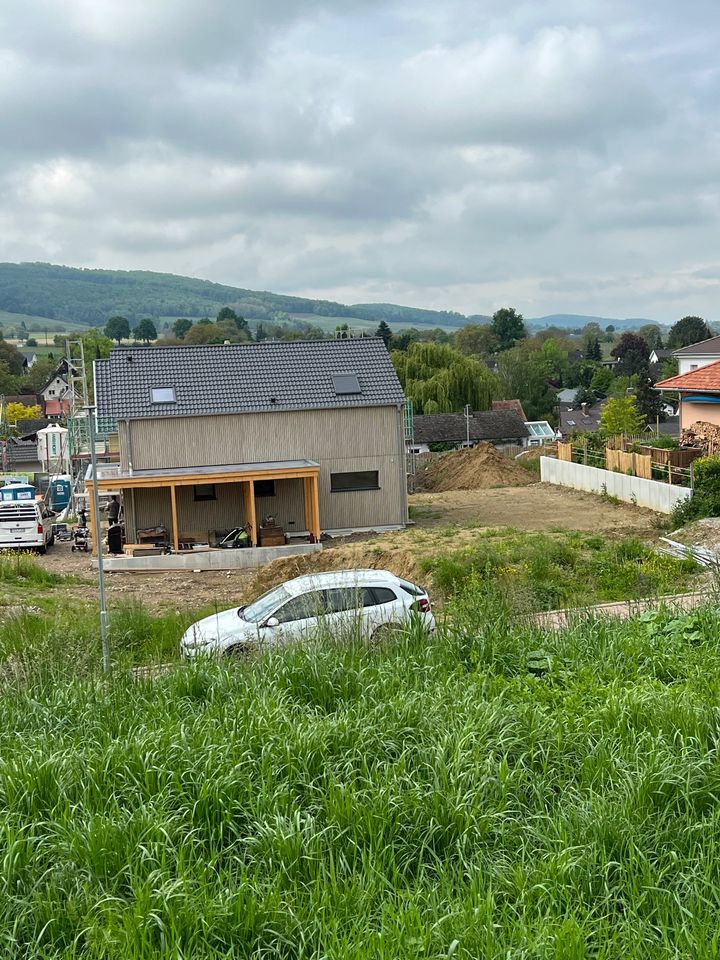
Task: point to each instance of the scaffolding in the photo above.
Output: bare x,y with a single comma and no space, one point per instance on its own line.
78,423
409,423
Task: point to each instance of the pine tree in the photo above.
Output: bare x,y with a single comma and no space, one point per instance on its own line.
592,349
385,333
649,401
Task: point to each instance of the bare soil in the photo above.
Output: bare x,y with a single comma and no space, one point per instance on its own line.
537,507
457,514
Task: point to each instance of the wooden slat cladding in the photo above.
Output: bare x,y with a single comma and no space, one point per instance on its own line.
251,438
367,438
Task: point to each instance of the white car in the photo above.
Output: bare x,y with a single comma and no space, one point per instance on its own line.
376,599
25,525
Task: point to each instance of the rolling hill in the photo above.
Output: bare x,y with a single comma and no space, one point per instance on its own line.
45,294
91,296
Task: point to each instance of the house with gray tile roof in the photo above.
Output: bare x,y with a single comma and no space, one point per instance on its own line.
309,433
697,355
499,427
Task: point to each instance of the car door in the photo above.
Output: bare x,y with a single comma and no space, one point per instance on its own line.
346,609
296,619
385,607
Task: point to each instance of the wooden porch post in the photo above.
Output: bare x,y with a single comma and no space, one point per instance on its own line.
316,507
249,493
173,506
307,490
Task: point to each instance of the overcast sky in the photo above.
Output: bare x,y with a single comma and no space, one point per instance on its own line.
468,154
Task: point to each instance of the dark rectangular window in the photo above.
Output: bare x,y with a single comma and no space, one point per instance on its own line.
204,491
346,383
358,480
264,488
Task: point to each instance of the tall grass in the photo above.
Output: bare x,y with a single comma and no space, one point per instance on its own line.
493,792
22,568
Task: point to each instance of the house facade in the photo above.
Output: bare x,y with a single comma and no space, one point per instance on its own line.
699,391
213,437
697,355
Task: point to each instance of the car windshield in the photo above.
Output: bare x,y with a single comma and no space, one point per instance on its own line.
264,605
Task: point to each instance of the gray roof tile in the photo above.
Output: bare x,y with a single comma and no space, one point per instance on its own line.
244,378
484,425
705,348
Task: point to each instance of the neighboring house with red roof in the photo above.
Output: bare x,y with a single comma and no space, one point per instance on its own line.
513,406
699,392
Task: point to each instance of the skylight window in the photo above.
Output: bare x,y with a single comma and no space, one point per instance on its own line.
163,394
346,384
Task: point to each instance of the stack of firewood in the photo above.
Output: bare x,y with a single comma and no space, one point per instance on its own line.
702,434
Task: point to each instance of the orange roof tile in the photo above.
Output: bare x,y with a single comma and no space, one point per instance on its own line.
704,378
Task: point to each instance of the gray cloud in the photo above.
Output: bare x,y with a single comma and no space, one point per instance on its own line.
560,157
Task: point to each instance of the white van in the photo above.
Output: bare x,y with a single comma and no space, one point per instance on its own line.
25,525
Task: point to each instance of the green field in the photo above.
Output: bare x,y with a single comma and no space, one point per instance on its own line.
356,323
492,792
38,325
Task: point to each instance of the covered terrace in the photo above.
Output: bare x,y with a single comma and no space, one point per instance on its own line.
193,498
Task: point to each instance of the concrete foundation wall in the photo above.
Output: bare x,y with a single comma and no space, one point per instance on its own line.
209,559
653,494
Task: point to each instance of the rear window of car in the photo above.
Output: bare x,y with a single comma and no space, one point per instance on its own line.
383,595
355,598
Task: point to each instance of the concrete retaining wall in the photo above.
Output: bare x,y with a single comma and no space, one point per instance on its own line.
243,559
658,496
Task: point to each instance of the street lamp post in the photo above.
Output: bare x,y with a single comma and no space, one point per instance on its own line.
90,411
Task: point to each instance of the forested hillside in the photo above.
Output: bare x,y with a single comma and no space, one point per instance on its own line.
91,296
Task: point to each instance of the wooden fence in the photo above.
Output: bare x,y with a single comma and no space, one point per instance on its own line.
630,463
680,457
649,463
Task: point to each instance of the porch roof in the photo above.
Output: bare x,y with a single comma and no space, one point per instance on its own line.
219,473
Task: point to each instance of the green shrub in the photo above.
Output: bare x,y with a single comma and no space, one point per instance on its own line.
705,501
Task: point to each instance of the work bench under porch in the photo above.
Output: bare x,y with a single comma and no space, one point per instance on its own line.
189,496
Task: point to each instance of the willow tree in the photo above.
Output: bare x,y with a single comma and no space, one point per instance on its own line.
439,379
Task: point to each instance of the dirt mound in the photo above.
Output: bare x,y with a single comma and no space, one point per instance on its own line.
393,556
475,469
701,533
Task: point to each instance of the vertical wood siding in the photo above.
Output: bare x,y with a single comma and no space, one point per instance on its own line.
366,438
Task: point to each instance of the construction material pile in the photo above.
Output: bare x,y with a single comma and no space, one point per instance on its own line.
476,469
702,434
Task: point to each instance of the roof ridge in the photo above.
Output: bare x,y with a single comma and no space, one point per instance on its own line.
698,343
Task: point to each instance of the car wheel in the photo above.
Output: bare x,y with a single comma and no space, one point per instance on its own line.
240,651
383,633
42,550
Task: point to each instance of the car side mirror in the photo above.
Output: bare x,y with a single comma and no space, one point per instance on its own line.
272,622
